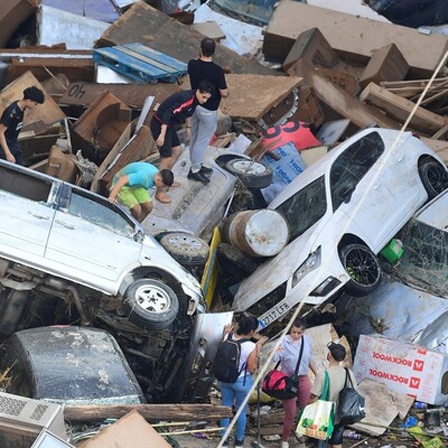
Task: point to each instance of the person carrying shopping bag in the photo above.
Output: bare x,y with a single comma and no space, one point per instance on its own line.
295,344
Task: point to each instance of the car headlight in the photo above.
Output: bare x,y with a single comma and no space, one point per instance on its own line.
311,263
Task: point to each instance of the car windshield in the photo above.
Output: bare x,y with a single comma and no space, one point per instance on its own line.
100,214
305,208
424,262
257,11
352,165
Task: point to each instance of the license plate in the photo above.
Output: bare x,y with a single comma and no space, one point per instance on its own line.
274,314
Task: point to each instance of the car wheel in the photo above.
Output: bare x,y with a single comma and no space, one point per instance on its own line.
150,304
434,177
363,268
185,248
252,174
235,262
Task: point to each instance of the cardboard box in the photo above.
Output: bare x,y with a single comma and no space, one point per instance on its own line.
131,431
12,14
404,367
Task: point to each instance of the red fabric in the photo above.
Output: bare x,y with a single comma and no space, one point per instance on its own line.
297,132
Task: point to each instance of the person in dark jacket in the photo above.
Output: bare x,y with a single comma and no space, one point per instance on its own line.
11,123
176,109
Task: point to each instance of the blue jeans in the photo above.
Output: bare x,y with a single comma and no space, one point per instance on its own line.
234,394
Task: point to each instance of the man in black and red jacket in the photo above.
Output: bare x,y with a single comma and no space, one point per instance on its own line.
176,109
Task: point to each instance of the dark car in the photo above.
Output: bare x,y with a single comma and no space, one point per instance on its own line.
68,364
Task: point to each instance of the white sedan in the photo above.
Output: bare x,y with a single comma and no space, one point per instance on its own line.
342,211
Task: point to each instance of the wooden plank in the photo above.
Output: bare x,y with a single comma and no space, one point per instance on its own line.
346,105
254,95
210,29
211,271
133,95
354,37
399,109
148,26
153,412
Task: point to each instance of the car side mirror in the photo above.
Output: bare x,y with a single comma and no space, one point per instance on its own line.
138,236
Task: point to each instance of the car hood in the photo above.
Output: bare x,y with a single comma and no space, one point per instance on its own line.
276,271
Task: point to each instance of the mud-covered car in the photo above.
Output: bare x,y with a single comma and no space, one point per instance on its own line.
68,255
185,225
342,211
68,365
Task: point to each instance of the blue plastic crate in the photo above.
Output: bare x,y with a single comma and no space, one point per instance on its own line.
140,63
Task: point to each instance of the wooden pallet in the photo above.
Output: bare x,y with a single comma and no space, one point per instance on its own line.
140,63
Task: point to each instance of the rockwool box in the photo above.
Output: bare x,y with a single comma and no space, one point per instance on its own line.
404,367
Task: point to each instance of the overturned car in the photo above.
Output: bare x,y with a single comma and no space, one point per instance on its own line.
69,256
342,211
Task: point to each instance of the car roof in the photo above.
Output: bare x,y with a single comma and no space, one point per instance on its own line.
319,168
435,212
75,364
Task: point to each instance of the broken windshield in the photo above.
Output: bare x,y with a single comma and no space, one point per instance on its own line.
424,262
305,208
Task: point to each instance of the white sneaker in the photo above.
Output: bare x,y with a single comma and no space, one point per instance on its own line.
285,444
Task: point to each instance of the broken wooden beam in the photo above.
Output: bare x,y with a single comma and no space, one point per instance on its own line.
399,108
166,35
362,115
151,412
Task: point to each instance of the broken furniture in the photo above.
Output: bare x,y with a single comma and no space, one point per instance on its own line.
100,127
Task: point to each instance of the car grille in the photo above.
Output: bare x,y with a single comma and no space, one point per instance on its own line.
268,301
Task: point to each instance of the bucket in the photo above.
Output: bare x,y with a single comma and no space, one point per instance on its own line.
258,233
393,251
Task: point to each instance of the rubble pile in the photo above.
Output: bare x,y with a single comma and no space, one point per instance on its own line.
326,197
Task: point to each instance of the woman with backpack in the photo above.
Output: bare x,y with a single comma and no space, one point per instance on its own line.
295,353
235,392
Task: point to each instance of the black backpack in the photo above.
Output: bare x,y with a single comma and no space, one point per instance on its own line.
227,360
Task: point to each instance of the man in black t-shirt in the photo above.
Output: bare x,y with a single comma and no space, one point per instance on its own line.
205,118
11,122
174,110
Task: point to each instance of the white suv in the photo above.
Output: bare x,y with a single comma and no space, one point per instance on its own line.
58,237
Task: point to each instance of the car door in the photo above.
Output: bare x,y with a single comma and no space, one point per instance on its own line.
91,241
27,211
358,190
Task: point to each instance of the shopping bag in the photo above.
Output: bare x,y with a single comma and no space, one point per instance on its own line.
279,385
317,419
351,403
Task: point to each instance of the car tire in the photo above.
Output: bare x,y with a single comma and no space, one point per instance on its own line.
185,248
150,304
235,262
363,268
434,177
252,174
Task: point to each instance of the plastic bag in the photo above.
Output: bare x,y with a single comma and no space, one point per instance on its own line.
351,404
317,419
